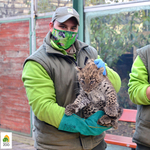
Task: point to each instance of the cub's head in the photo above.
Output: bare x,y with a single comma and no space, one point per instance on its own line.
90,76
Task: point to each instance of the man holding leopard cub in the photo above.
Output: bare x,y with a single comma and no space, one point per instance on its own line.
49,76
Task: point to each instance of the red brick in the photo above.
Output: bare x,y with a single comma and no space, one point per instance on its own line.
14,48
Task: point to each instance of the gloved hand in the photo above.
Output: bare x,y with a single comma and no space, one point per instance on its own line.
87,126
100,64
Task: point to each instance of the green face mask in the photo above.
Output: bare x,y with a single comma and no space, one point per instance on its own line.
63,39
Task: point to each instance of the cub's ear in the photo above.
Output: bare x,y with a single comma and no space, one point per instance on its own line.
78,68
101,70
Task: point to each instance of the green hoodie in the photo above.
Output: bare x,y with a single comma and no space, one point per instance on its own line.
138,83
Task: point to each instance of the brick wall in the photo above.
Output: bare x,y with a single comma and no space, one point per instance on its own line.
14,48
42,28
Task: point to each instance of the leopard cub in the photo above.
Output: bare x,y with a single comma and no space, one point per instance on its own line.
96,93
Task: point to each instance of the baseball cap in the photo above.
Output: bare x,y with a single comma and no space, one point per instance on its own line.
62,14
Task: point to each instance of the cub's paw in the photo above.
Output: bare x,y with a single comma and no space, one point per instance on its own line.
120,112
104,121
108,121
70,109
114,124
111,111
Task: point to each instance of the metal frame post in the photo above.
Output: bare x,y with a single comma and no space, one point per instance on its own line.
33,25
78,5
33,45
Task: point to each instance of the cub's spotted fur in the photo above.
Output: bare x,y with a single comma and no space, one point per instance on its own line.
96,93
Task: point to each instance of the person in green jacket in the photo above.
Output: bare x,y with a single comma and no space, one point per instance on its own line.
139,93
50,80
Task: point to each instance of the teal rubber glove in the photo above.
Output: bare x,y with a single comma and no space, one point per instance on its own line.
83,126
100,64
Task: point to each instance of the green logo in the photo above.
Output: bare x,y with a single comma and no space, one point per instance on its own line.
6,138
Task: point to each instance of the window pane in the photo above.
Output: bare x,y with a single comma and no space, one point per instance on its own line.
44,6
116,36
14,8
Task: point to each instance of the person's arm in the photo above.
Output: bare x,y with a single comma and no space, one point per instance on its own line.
114,78
138,83
41,94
